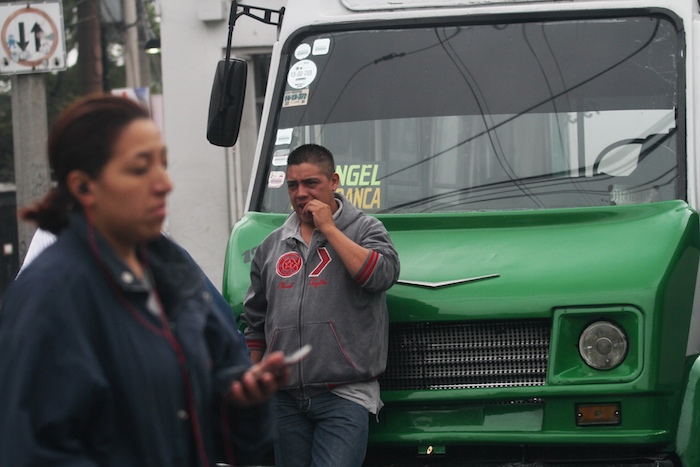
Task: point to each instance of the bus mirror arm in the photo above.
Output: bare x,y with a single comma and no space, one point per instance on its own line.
228,90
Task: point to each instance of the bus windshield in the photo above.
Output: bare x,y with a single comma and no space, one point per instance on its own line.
482,117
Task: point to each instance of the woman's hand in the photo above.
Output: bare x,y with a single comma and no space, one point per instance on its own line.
261,381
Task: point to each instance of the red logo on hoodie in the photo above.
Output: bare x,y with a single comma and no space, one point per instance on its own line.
289,264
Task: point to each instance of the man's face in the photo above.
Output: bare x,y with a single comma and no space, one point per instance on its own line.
306,182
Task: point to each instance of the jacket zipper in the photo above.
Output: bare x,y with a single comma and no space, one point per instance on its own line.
299,316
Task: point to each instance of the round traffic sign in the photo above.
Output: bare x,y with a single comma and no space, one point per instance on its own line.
29,37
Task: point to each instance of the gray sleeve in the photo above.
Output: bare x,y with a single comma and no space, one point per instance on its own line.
382,267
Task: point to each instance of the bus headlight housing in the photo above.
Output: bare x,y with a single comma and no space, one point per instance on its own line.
603,345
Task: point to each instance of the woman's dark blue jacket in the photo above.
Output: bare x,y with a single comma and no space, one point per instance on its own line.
89,377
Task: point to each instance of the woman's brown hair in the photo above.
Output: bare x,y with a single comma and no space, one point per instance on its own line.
81,138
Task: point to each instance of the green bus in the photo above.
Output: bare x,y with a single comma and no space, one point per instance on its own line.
535,163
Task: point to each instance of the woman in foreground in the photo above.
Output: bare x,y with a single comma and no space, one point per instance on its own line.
114,347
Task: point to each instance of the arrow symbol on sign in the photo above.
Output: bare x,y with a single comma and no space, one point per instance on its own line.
38,34
22,43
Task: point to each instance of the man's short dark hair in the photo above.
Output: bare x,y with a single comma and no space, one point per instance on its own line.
313,154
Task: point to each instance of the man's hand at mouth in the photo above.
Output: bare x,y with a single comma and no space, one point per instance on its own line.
321,214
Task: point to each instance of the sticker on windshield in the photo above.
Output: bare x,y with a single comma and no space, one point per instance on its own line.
296,98
301,74
302,51
321,46
360,184
284,136
276,179
279,158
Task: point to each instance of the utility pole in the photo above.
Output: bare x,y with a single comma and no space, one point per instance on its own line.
33,38
30,132
132,52
90,48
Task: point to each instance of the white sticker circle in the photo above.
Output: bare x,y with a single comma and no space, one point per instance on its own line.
301,74
303,51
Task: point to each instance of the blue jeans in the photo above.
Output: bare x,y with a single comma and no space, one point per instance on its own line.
323,431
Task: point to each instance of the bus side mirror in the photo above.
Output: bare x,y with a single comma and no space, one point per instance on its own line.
226,102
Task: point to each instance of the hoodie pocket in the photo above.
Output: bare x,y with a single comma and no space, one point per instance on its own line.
333,363
330,361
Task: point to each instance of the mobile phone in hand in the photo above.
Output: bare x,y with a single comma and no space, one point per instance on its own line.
298,355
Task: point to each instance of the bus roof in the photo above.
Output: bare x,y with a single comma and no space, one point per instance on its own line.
368,5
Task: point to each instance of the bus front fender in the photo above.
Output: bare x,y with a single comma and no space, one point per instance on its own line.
688,432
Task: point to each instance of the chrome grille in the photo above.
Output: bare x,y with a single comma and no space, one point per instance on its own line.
452,355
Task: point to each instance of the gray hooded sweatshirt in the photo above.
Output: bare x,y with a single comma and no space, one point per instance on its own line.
297,298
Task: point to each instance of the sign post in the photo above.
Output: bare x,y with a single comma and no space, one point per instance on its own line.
32,41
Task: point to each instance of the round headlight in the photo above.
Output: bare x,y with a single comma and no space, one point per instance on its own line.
603,345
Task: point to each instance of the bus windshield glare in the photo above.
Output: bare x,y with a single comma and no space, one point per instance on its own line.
484,117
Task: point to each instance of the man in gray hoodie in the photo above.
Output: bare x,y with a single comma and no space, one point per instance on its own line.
321,279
